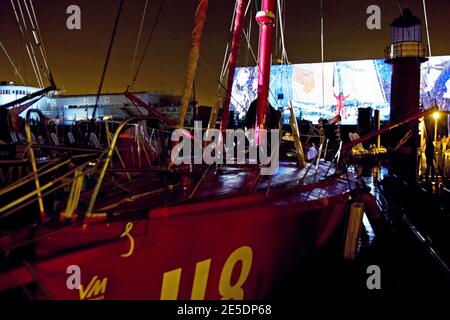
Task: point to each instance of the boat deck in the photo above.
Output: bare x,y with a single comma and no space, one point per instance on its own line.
290,184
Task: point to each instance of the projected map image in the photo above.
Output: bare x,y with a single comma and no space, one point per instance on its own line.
325,90
435,82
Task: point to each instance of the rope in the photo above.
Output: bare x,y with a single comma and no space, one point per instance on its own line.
38,29
403,140
223,70
138,40
322,52
256,60
220,83
22,33
401,13
74,196
16,71
108,55
249,32
31,43
284,56
141,62
426,25
37,35
44,290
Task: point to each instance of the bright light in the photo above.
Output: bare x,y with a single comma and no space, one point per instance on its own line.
436,115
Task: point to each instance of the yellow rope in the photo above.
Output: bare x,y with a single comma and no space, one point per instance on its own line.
297,141
74,196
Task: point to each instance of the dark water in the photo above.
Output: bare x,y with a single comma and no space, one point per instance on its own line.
409,275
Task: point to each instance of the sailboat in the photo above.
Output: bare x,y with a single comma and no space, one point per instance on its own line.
169,231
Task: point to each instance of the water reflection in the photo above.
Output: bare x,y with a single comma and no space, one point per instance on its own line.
371,173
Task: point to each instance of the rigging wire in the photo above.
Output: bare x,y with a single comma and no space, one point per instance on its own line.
256,60
16,70
224,69
144,14
33,53
249,32
428,38
426,26
37,39
226,54
38,29
108,55
219,81
322,54
284,56
22,33
141,62
277,42
38,36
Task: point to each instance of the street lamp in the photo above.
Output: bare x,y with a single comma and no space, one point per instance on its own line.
436,117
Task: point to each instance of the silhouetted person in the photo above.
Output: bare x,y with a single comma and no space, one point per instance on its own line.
429,154
272,120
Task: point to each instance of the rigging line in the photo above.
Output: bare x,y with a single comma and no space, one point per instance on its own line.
41,41
22,33
38,28
30,43
322,54
141,62
409,32
277,42
283,53
226,56
426,26
234,16
224,62
12,63
108,55
41,83
23,36
138,40
225,66
256,6
248,7
219,81
37,41
249,32
256,60
284,23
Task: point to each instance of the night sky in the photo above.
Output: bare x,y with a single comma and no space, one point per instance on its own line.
76,57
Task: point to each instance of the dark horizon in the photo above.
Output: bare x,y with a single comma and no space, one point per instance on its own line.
76,57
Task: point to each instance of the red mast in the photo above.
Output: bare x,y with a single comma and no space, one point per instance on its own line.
266,20
234,55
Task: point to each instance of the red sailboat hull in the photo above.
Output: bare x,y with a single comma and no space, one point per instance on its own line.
233,248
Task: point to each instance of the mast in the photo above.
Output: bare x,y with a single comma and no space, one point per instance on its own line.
266,20
234,55
200,18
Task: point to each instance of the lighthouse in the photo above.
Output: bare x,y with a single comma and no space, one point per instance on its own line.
405,54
